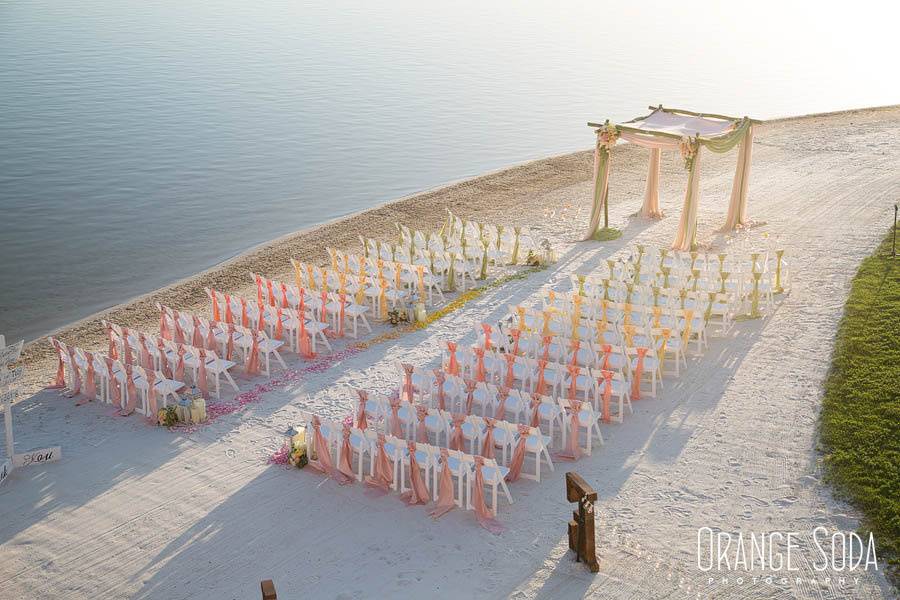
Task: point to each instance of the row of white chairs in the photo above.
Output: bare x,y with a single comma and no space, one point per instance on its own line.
428,457
348,269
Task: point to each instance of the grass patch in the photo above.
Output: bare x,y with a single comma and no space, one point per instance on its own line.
606,234
860,423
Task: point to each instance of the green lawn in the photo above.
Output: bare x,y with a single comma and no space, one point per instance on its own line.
860,424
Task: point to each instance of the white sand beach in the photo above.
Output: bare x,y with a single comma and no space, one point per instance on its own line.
134,511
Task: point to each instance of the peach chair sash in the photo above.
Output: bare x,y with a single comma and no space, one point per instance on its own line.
418,493
90,383
179,332
131,389
638,373
113,351
361,422
271,292
421,430
229,344
260,320
323,454
164,360
396,429
607,395
179,366
535,411
163,326
486,328
215,305
252,366
59,381
480,374
445,502
383,475
510,373
151,396
453,366
487,445
482,514
540,386
518,456
76,376
197,335
284,296
211,343
607,351
574,372
229,314
439,379
201,374
126,346
546,341
471,386
345,460
515,334
113,383
245,319
146,359
457,441
500,412
279,325
408,388
573,451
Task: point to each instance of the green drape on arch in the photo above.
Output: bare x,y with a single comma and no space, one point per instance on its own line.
601,189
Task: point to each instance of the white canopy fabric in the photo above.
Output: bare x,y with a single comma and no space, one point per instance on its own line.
681,124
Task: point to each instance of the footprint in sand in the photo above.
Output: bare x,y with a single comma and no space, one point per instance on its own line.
786,501
758,501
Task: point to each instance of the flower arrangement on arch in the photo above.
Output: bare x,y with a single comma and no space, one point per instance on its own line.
607,135
689,147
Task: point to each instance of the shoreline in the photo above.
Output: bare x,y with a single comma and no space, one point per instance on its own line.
487,196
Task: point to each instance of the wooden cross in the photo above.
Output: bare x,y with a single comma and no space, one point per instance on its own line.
581,527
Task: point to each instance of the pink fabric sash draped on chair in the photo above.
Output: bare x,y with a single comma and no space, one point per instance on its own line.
482,513
229,343
518,456
396,429
453,365
201,374
457,441
445,502
90,382
418,493
163,325
346,455
510,373
215,306
179,366
439,379
163,360
487,336
408,388
500,411
638,373
361,423
197,334
126,347
114,392
131,390
487,445
151,397
535,411
606,381
59,381
480,374
113,351
229,314
146,358
76,376
211,343
383,473
179,331
323,455
573,450
421,429
470,395
252,366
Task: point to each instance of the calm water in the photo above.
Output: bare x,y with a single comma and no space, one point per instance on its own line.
143,141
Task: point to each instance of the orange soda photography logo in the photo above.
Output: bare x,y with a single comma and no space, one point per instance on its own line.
785,557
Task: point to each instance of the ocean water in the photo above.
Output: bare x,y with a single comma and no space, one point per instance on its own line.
143,141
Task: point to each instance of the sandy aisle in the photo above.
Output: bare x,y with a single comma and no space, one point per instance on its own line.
134,511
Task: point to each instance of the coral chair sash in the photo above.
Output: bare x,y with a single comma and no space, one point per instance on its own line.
606,381
113,383
418,493
383,474
59,381
201,374
515,334
211,343
486,328
453,365
482,514
163,326
445,502
470,395
421,430
480,374
541,385
573,450
408,388
487,445
164,360
229,314
518,456
439,379
396,429
215,306
279,325
179,366
500,412
457,441
179,332
510,373
323,455
151,396
574,372
252,366
90,382
229,344
361,423
245,319
126,346
76,376
197,335
535,411
346,455
131,389
638,373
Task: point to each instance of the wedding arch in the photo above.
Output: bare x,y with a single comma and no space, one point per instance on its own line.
687,132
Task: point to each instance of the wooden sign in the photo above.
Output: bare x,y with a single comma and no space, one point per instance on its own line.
581,527
36,457
5,470
11,376
10,354
268,590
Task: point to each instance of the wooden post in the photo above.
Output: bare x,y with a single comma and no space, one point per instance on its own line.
581,527
268,590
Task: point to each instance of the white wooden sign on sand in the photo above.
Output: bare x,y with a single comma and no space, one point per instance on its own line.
37,457
10,354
